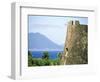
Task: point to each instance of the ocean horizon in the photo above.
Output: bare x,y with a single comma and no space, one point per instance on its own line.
39,54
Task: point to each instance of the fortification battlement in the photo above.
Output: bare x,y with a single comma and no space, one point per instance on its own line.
76,22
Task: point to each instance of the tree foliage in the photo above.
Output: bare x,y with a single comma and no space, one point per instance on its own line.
45,55
44,61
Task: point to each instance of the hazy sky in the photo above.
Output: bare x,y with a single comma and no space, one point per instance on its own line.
53,27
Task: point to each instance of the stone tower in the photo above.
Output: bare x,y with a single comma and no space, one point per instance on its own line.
75,49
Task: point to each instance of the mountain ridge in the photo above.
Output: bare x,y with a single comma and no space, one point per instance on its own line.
40,41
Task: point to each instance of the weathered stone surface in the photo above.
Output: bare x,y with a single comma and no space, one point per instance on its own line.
75,50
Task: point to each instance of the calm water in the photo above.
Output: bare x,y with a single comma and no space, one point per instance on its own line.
39,54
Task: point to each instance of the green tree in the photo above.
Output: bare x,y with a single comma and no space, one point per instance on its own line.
45,55
59,55
30,61
29,53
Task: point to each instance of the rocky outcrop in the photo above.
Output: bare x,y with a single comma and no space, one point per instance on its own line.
76,43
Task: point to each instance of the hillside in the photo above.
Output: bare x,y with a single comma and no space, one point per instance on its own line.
39,41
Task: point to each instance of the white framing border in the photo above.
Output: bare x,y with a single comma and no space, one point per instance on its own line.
16,71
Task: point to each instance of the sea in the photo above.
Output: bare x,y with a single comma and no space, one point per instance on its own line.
39,54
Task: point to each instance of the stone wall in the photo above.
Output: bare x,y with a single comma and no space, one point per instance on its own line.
76,43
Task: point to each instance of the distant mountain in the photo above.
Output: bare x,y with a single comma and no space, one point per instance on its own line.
39,41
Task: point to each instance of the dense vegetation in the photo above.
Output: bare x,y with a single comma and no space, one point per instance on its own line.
44,61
